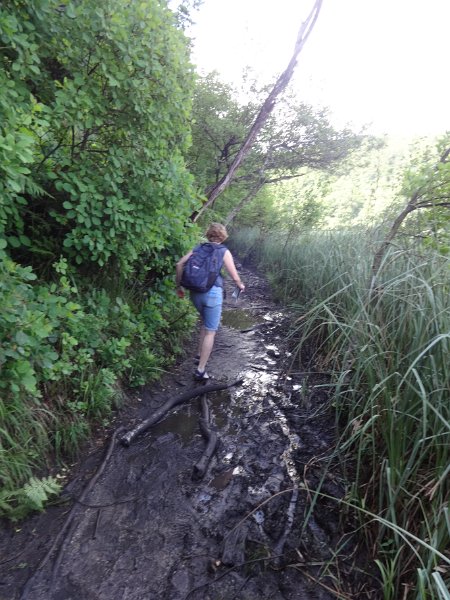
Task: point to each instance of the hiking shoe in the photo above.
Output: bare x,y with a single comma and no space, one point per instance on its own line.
200,375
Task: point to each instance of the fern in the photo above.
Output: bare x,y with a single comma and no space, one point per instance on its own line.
7,498
38,491
16,504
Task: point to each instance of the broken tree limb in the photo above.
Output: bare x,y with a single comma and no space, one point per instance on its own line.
126,439
265,111
211,438
246,200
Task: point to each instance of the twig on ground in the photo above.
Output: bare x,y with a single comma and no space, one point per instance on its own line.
3,562
97,522
251,328
264,369
337,593
279,546
106,505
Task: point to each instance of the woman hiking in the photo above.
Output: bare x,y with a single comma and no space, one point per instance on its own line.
209,303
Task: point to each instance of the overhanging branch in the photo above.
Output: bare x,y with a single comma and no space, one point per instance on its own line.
266,109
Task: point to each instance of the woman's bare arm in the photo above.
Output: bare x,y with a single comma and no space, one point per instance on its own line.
179,267
231,268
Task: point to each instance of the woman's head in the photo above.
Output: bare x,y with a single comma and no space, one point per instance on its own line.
216,232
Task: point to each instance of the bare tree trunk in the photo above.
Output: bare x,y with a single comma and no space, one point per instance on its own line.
265,110
245,200
413,204
379,254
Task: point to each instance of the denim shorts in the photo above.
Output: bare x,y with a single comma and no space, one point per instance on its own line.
209,305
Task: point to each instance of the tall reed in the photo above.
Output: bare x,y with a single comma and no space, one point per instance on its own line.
389,355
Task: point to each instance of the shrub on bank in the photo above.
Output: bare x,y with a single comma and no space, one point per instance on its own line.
65,356
94,198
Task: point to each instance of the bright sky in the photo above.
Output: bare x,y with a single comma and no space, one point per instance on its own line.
384,62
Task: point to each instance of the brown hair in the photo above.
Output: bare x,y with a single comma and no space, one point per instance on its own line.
216,232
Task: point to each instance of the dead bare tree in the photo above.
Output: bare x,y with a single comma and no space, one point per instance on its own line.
266,109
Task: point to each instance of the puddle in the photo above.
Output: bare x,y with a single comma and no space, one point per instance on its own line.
182,423
185,421
239,319
221,481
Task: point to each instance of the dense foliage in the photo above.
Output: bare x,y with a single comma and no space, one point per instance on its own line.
94,196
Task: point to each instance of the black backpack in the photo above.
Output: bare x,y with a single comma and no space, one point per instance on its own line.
203,267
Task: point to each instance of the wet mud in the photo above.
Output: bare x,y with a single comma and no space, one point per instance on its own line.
250,529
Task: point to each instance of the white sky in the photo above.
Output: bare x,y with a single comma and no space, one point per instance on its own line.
384,62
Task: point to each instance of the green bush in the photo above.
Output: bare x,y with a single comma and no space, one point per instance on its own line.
95,103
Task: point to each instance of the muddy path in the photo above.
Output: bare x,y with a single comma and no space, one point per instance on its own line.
249,530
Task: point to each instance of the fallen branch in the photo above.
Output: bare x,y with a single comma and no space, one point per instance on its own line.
126,439
211,437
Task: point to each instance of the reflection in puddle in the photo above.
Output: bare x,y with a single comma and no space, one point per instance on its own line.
222,480
238,319
185,421
259,517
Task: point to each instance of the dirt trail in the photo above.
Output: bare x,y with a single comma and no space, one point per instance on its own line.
151,532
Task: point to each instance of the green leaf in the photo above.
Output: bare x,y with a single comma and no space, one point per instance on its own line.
14,241
22,338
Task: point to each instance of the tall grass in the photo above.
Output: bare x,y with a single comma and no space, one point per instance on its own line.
389,356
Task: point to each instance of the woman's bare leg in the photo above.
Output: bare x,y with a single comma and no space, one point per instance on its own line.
206,348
